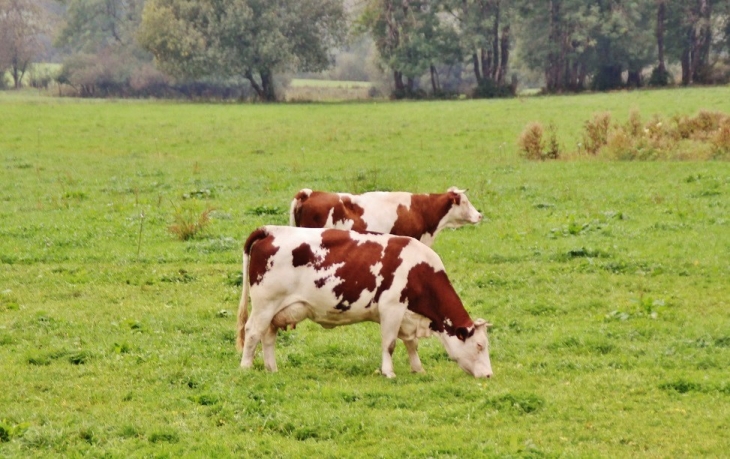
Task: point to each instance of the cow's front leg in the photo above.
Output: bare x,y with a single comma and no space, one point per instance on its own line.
415,361
268,343
388,333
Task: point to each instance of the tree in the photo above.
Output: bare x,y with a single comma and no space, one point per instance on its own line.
94,25
253,39
576,42
486,37
103,57
557,37
624,43
22,22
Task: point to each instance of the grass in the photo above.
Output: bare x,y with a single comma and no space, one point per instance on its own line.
606,283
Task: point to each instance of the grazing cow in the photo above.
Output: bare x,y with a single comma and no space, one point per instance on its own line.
420,216
337,277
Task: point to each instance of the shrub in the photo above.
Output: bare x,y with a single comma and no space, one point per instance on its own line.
488,89
596,133
720,140
531,141
660,77
553,147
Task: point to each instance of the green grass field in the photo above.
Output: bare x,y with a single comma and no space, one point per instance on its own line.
606,282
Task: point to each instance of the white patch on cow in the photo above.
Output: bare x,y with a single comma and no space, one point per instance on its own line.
448,322
381,208
376,270
345,224
460,215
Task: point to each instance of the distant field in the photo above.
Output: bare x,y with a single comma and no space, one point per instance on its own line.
327,90
302,83
606,282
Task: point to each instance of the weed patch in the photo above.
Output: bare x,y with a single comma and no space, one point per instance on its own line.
10,430
266,210
188,223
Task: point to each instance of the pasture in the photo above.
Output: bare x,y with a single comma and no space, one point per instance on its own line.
606,282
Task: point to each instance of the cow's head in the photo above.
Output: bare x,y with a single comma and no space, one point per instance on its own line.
461,211
470,349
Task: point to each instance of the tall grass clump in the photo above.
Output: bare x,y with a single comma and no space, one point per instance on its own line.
703,136
595,135
534,146
188,223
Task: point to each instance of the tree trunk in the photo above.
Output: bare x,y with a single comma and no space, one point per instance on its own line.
552,72
504,58
661,16
400,88
687,58
435,86
477,68
267,82
633,79
495,45
702,41
265,90
486,64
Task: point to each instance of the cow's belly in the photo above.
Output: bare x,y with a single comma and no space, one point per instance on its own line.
331,317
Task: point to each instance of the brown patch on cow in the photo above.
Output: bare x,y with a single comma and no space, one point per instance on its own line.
260,248
424,214
355,274
319,283
430,294
348,210
302,255
312,211
391,261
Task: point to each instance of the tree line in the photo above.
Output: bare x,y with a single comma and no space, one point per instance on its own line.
427,48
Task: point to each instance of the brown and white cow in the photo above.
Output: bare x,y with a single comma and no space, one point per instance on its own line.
338,277
420,216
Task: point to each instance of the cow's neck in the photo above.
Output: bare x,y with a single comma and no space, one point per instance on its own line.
433,208
430,294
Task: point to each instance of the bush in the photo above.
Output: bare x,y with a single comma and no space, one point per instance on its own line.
720,140
531,141
596,133
488,89
660,77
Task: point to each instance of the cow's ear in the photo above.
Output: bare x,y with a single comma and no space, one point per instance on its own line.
482,323
454,197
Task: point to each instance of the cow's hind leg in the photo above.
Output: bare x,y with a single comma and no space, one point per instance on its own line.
257,327
268,343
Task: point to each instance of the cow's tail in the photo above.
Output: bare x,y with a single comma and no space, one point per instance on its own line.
295,210
260,233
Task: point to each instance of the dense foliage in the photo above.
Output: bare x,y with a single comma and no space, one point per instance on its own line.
426,47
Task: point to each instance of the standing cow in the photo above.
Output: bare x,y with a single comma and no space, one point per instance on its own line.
337,277
420,216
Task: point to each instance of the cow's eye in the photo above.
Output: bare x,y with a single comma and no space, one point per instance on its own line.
480,347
